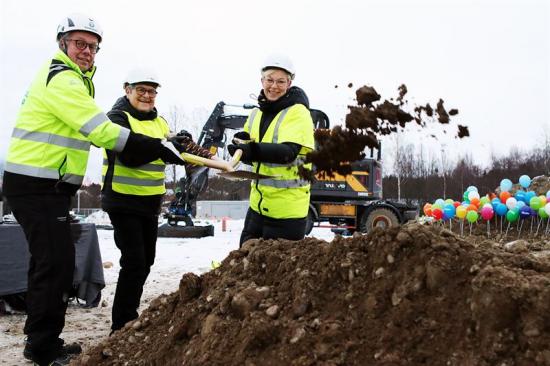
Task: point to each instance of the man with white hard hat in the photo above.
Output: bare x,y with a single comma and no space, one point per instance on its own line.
45,166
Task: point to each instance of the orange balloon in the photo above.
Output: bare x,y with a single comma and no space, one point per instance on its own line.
475,201
504,196
471,207
428,209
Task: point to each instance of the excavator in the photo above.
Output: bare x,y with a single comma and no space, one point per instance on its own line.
343,203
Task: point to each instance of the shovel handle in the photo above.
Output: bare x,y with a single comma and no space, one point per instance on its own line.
228,166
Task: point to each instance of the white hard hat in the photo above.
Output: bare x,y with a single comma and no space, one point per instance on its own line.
142,75
79,22
279,61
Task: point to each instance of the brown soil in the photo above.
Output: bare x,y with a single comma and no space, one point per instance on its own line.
366,123
414,295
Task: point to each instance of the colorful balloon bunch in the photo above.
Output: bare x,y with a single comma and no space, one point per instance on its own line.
521,205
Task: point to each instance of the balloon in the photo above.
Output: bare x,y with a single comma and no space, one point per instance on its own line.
524,212
524,181
520,204
543,199
472,195
448,212
548,195
511,203
495,201
520,196
471,188
461,212
437,213
505,185
465,196
547,208
529,195
448,201
512,216
487,205
501,209
471,216
471,207
440,202
504,196
483,200
427,209
542,213
487,213
456,204
475,201
535,203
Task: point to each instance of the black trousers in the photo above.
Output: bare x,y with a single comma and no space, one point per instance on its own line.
45,222
136,237
257,226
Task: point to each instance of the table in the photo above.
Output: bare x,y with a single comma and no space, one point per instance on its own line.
88,277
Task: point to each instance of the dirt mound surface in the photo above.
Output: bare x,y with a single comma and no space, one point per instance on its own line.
415,295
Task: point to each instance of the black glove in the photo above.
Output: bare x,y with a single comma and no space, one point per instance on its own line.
185,133
248,151
170,152
241,135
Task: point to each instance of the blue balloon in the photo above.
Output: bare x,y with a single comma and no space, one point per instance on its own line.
501,209
495,202
524,181
505,185
534,212
520,196
520,204
440,202
449,212
525,212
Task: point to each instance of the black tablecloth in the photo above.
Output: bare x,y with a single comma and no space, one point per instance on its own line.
88,277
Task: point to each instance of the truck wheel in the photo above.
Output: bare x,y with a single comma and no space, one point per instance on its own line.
309,223
379,217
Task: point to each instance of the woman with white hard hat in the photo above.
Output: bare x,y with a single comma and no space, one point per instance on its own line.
275,140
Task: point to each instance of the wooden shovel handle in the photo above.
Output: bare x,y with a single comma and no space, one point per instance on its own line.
227,166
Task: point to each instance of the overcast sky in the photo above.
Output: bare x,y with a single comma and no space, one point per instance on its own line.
489,59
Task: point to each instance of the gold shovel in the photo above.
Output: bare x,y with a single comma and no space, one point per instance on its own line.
228,167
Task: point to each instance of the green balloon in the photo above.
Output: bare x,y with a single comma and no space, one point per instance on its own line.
542,213
483,200
472,216
535,203
465,196
512,215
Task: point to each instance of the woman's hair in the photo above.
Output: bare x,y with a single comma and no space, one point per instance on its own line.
268,72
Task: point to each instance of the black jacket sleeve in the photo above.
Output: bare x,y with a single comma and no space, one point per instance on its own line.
274,153
139,149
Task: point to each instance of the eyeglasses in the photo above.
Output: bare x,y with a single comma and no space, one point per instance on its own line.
280,82
81,45
142,91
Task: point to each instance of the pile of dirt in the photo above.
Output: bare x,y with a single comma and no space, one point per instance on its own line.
413,295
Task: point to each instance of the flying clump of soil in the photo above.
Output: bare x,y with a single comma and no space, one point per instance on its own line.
410,295
365,123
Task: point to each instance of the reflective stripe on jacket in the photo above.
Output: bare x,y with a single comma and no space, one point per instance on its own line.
144,180
56,123
286,195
